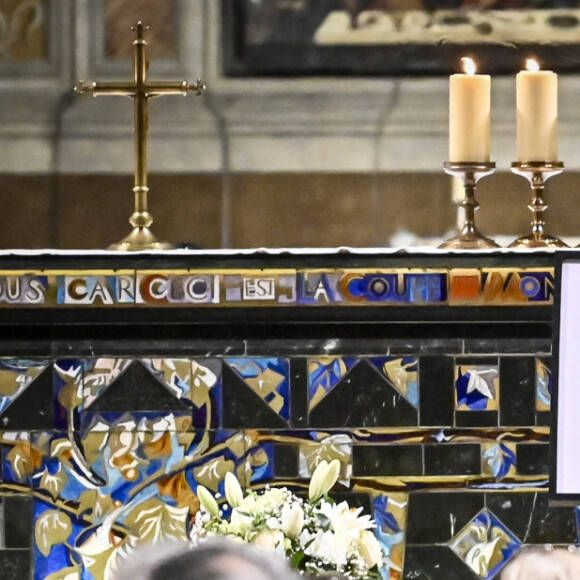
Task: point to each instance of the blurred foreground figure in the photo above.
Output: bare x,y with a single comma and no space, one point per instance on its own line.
218,559
544,565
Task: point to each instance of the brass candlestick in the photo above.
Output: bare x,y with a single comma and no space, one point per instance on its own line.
140,90
469,238
537,173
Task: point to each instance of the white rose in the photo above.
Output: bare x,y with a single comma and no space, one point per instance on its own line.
292,519
240,523
370,549
269,539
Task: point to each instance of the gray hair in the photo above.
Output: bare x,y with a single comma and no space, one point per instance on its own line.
215,559
556,564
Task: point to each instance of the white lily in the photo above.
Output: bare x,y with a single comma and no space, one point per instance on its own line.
233,489
323,479
370,549
208,501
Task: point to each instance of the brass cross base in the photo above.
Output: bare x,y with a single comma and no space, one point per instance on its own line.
140,239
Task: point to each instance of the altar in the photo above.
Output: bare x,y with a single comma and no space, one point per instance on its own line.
127,379
417,385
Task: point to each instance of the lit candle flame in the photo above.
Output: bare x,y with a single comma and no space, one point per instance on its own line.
532,65
468,65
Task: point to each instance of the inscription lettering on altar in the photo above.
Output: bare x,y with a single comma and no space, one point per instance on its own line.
97,289
259,289
393,287
279,288
178,289
26,289
501,286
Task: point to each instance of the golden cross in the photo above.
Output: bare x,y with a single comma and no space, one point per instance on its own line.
140,90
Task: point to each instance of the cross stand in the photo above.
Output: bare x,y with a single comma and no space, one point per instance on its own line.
140,90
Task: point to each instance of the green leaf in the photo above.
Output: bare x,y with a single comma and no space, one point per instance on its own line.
296,559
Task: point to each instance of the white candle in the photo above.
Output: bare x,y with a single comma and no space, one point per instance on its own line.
537,114
469,115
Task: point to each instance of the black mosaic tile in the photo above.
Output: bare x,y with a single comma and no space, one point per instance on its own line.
363,399
435,517
551,524
452,459
34,408
242,408
15,564
425,347
507,345
513,509
436,391
25,348
435,563
136,389
476,418
532,458
299,392
285,460
517,377
354,500
17,520
386,460
486,361
543,419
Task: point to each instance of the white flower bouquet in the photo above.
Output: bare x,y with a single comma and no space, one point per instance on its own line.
317,535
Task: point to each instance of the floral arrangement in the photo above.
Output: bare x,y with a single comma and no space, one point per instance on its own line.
317,536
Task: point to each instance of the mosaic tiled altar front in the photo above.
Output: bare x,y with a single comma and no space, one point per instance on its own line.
126,384
448,452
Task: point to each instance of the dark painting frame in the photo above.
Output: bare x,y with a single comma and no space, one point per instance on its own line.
276,38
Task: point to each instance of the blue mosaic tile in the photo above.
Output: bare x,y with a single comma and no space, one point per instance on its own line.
544,386
390,515
499,459
402,373
269,379
98,374
485,544
324,373
476,387
317,446
15,376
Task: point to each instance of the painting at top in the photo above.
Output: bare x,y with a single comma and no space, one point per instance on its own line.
397,37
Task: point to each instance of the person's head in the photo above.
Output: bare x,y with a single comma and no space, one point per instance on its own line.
555,564
218,559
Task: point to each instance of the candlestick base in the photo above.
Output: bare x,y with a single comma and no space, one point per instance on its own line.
468,237
140,239
537,173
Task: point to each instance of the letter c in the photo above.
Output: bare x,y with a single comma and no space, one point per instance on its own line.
154,288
